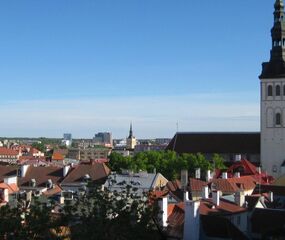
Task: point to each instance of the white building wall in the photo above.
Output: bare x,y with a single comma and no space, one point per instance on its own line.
272,135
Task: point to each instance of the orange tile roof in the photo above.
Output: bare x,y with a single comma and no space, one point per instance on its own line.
11,187
57,156
7,151
235,184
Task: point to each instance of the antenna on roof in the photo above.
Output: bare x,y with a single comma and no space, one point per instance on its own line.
177,127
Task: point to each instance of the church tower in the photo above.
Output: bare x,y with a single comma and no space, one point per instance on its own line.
131,139
273,98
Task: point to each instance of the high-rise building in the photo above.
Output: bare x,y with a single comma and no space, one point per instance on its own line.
67,139
103,138
273,98
67,136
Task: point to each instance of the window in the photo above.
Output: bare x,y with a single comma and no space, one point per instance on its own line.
284,90
278,119
269,91
278,90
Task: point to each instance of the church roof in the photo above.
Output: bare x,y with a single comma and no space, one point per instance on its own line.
216,142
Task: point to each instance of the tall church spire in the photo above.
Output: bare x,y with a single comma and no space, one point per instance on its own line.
276,66
131,131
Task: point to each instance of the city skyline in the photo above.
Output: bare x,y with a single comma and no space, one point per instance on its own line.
96,66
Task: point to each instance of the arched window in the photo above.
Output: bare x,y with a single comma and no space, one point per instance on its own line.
269,91
278,119
278,90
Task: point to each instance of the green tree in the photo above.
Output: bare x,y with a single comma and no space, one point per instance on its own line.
114,216
40,146
218,162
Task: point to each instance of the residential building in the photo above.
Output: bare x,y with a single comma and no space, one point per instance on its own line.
8,155
142,181
85,175
85,154
40,179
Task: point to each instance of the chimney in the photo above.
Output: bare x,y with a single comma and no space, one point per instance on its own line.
184,179
209,176
237,157
258,169
237,174
191,220
240,198
271,196
163,204
5,195
205,192
29,196
198,173
186,196
216,197
24,169
61,200
65,170
225,175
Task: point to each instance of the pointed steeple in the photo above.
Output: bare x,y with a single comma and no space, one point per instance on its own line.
278,32
276,66
131,131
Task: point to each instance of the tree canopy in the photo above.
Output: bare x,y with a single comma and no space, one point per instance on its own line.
168,163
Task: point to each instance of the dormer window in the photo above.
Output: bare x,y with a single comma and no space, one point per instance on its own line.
86,177
33,182
269,91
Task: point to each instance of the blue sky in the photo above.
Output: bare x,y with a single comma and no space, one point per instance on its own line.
89,65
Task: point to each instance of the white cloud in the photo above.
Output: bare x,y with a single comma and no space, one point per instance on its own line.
151,116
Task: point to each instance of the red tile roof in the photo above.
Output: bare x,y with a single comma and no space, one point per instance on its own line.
7,151
232,185
6,171
246,168
207,207
53,191
196,185
41,175
12,188
96,171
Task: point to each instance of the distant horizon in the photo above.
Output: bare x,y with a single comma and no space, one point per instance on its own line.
85,67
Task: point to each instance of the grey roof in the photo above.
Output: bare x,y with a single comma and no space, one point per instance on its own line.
143,180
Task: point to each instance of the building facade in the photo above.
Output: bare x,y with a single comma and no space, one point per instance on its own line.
272,81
